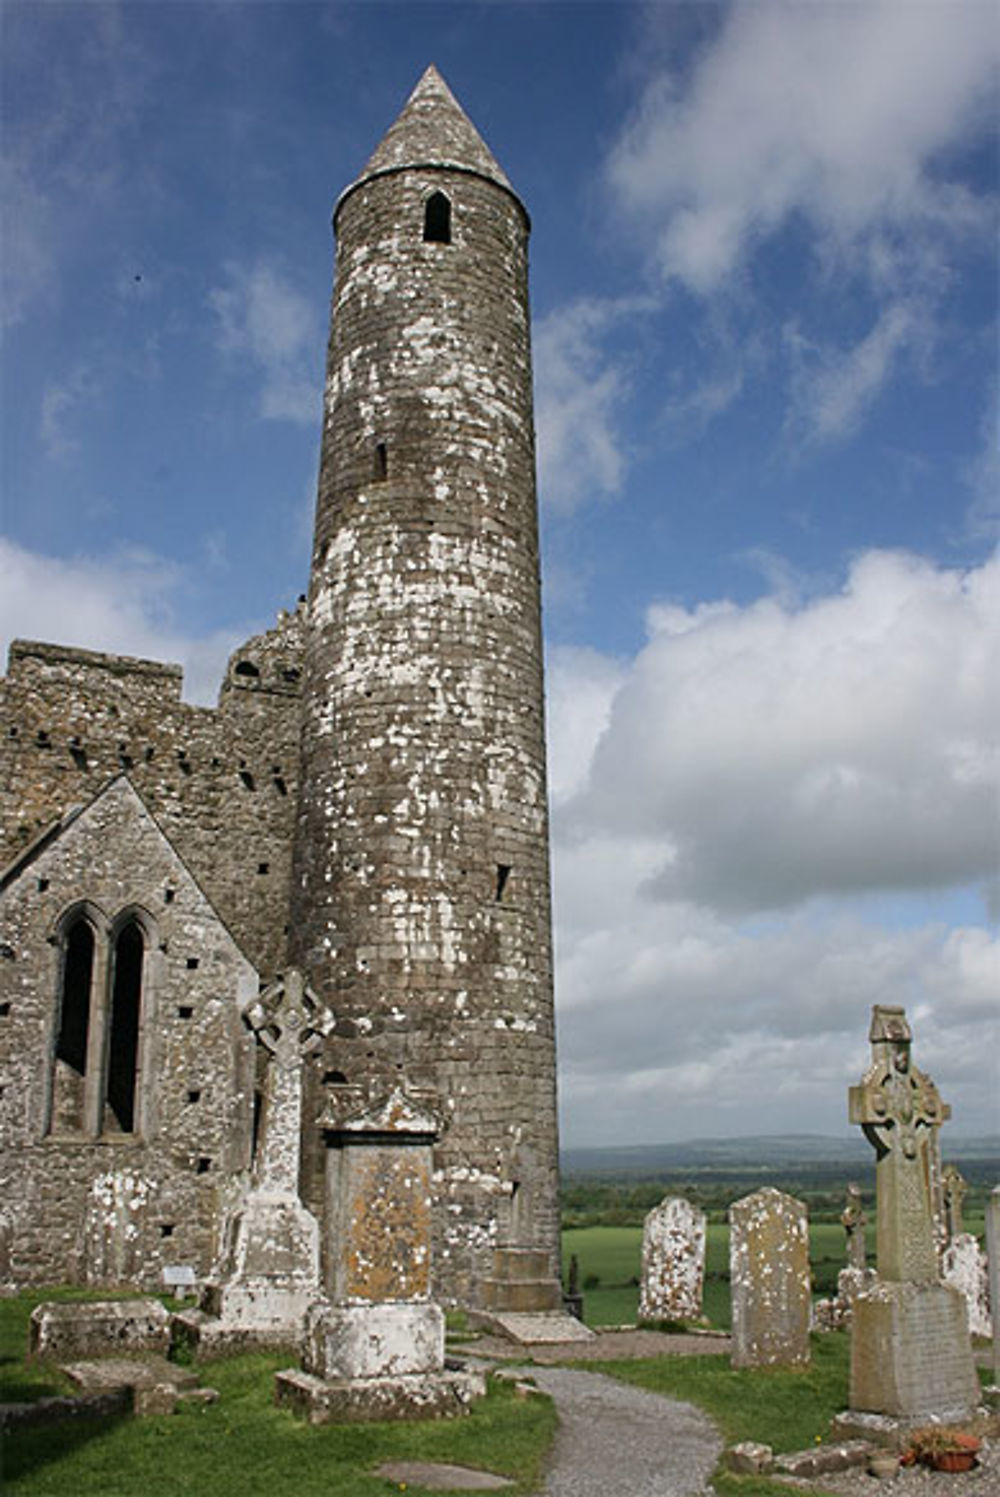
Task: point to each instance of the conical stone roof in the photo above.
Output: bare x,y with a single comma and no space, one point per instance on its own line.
434,130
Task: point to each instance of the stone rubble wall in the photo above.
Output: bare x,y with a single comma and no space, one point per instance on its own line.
220,782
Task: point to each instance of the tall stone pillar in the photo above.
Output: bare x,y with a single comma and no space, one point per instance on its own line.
420,906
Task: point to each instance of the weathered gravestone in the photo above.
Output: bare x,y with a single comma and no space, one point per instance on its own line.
769,1277
375,1348
673,1261
993,1251
911,1357
268,1271
966,1269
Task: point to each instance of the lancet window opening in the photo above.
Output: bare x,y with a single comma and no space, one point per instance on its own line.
95,1078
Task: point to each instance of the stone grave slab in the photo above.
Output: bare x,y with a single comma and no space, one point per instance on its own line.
75,1329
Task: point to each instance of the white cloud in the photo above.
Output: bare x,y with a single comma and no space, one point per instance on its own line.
579,391
261,316
124,604
782,752
839,114
752,775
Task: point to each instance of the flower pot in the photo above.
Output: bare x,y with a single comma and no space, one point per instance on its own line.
954,1460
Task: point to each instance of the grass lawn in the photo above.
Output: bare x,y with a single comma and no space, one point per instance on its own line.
243,1444
613,1256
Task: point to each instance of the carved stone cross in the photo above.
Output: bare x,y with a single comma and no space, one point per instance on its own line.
955,1191
291,1022
900,1111
853,1220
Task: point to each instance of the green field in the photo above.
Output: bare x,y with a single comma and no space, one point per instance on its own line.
609,1260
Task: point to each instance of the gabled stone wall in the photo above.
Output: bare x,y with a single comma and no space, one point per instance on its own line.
88,1200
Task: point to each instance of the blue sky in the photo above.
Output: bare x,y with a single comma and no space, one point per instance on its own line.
764,280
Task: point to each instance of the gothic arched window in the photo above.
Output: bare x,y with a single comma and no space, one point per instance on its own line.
437,219
96,1066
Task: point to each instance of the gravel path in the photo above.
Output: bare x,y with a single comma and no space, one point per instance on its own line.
617,1441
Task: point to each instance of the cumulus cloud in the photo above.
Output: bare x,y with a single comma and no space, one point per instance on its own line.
782,751
262,317
725,805
836,114
125,604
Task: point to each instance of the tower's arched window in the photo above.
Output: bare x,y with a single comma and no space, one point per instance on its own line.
437,219
123,1037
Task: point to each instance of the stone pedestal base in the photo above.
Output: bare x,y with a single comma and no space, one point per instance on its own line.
393,1340
427,1395
268,1279
911,1357
521,1282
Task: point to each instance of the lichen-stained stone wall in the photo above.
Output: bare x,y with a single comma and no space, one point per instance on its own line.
221,782
421,886
93,1202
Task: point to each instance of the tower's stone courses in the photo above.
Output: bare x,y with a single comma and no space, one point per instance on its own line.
420,905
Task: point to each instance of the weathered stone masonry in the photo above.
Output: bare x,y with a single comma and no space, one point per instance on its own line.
409,691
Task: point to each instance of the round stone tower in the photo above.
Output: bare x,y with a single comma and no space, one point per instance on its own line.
420,904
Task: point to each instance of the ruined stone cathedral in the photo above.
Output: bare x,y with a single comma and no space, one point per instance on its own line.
366,805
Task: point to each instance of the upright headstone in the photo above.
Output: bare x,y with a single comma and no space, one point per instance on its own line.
993,1251
769,1276
268,1272
374,1349
673,1261
911,1357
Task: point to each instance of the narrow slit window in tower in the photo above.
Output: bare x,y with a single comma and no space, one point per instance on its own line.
380,467
503,874
123,1042
437,219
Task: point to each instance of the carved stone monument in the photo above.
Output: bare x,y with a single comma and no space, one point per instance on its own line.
375,1348
911,1357
268,1272
854,1221
834,1314
770,1284
673,1261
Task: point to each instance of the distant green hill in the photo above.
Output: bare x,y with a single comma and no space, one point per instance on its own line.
766,1153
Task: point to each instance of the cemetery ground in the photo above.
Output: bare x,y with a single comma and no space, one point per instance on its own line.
244,1445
